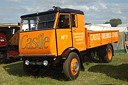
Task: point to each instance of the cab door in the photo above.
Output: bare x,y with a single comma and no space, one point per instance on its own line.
63,33
78,31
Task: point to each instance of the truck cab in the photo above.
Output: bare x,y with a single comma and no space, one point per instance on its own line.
50,33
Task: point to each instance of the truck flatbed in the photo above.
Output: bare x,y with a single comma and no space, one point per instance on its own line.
99,38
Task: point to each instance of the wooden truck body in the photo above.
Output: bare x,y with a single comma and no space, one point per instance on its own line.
60,35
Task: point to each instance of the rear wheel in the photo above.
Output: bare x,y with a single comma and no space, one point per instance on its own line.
108,56
71,66
105,53
31,69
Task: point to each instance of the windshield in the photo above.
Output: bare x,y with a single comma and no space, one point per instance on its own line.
38,22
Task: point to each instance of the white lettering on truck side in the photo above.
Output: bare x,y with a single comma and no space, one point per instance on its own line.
102,36
106,35
94,37
114,34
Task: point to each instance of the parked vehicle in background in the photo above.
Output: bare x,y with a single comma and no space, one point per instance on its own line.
59,36
9,42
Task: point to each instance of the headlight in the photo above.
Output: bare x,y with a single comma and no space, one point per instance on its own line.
27,62
2,40
45,62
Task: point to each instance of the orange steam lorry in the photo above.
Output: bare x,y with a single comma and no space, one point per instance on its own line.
59,36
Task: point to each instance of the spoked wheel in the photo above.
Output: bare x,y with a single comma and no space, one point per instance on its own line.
71,66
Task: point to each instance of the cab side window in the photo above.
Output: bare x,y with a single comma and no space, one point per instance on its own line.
73,20
64,21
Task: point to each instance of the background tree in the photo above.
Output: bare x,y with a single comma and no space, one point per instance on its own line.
87,23
114,22
107,22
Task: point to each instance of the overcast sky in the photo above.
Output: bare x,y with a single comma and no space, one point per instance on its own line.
96,11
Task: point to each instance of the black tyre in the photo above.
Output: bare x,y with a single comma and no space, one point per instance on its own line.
108,55
105,53
31,69
71,66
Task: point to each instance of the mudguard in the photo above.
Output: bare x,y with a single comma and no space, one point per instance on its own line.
68,51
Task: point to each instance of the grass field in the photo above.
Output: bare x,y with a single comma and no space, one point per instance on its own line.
114,73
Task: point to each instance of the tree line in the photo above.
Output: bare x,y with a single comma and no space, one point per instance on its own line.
114,22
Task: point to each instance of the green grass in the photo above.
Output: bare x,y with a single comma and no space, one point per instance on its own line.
114,73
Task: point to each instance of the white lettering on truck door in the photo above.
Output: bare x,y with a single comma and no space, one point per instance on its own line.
64,37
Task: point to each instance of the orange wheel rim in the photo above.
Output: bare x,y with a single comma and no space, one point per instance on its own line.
109,54
74,66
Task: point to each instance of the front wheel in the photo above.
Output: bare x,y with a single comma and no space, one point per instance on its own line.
31,69
71,66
